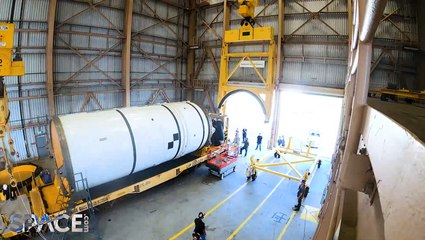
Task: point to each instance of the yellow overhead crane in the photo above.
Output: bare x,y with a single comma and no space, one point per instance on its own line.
262,90
8,67
247,10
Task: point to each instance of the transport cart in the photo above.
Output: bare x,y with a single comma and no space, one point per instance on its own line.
223,163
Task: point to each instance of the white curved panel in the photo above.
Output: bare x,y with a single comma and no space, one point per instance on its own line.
99,145
112,144
153,129
193,126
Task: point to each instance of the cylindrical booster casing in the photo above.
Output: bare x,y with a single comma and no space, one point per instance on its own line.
111,144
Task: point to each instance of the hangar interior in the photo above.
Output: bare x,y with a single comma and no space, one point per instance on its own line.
131,114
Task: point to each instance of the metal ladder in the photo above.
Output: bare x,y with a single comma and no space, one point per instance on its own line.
81,192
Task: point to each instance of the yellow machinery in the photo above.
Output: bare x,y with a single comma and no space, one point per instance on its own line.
303,157
248,34
11,177
47,200
409,96
8,67
247,10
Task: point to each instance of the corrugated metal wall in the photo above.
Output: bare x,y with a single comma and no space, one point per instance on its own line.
156,46
88,60
315,48
78,67
397,66
27,94
88,53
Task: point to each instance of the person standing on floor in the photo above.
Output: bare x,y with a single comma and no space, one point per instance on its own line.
237,138
6,191
300,195
259,140
279,141
251,173
200,226
243,134
245,147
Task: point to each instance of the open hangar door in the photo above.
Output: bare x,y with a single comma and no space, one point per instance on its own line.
244,111
310,117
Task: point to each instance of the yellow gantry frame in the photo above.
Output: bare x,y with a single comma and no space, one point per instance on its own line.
263,91
303,158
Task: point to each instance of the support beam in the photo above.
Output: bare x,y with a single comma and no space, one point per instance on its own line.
213,61
89,63
359,104
49,57
200,64
90,96
276,102
208,26
350,23
193,44
313,15
373,16
79,13
226,16
213,108
126,52
147,56
377,61
331,212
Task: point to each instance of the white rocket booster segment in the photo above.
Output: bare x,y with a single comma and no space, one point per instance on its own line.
108,145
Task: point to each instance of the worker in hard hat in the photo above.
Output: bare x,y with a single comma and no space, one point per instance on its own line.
6,191
300,195
200,226
251,173
244,147
259,141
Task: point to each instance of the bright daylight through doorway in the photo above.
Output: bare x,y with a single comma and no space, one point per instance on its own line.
304,117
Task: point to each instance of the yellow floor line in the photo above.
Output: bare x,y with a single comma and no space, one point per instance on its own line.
286,225
255,211
282,233
211,210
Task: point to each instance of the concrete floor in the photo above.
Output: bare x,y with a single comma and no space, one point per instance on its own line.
256,210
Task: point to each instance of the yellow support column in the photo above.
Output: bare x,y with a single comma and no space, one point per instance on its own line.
263,91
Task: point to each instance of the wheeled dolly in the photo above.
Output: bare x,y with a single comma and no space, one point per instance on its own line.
222,172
